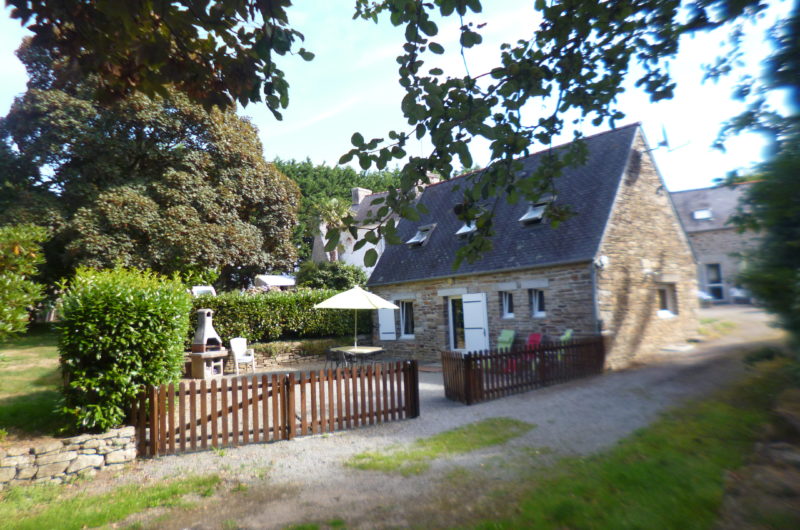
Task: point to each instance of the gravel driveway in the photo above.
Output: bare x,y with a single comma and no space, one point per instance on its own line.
305,480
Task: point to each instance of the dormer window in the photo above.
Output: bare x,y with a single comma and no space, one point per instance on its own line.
702,215
422,235
536,211
467,228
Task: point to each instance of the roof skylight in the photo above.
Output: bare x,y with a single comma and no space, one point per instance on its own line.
422,235
536,211
467,228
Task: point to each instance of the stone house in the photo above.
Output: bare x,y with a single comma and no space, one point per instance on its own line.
620,266
719,248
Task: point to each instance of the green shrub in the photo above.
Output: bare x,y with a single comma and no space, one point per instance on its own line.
279,315
120,329
330,275
767,353
20,254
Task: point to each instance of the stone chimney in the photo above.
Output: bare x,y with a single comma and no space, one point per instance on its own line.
434,178
359,194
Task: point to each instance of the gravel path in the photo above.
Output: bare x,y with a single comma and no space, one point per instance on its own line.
305,480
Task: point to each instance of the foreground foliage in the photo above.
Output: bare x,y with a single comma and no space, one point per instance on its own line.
20,254
43,506
120,329
568,69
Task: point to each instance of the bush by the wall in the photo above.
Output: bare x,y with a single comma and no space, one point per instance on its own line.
330,275
120,329
279,315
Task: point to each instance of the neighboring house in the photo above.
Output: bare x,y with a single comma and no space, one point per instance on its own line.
361,207
621,265
717,245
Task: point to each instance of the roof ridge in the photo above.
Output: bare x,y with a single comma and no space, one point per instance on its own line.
543,150
718,187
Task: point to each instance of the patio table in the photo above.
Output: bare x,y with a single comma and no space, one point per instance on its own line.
361,354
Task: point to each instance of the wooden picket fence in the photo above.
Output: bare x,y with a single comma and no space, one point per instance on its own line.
196,415
486,375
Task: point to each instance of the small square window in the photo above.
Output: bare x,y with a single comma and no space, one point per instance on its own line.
406,319
506,304
422,235
667,301
536,300
702,215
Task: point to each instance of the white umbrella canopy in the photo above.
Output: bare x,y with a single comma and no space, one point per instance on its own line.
355,298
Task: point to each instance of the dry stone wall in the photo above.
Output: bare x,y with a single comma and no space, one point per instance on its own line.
60,460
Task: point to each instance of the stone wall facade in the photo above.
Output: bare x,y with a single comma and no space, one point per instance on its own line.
60,460
721,247
645,250
568,292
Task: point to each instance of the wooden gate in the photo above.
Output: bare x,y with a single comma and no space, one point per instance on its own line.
196,415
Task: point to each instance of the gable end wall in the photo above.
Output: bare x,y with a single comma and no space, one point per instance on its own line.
645,245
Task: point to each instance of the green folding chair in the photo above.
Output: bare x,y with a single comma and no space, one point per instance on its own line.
505,340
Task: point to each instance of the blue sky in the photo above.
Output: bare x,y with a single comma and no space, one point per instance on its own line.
351,86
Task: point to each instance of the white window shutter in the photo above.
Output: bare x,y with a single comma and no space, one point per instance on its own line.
386,326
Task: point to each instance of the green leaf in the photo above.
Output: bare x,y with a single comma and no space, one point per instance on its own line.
436,48
370,257
357,140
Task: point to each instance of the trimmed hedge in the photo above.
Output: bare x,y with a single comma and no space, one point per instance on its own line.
279,315
120,329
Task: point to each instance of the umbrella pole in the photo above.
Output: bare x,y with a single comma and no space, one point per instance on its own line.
355,329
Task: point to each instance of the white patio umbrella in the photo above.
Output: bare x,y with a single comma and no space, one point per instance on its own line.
355,298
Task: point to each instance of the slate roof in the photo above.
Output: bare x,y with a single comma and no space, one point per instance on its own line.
589,192
722,201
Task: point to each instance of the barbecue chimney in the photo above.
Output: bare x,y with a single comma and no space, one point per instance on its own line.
205,338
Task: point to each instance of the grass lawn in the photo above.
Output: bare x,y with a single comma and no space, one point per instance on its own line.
668,475
29,385
54,506
415,458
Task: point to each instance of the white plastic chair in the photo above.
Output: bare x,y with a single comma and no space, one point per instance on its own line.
242,354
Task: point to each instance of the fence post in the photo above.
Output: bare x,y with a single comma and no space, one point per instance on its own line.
467,390
154,412
291,423
412,389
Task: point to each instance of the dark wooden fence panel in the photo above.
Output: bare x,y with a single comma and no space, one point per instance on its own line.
491,374
172,418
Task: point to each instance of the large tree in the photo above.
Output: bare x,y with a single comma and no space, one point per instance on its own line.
576,61
158,183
